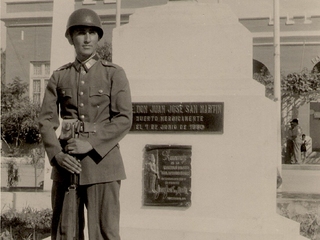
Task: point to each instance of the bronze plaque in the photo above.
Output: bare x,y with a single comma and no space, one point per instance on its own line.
199,117
167,175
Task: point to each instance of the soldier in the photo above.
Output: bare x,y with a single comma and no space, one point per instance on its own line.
94,96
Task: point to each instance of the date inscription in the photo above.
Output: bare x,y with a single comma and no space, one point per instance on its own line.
195,117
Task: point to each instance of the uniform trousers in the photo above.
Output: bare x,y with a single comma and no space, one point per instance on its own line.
103,209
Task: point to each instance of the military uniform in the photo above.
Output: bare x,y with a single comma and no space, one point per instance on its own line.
96,93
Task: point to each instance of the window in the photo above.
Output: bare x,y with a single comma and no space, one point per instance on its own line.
36,90
47,69
39,78
37,69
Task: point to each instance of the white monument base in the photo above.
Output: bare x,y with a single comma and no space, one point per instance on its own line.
198,51
233,185
180,228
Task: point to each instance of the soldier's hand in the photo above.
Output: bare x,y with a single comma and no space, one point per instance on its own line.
68,162
78,146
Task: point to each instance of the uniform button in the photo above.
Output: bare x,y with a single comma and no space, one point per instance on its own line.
100,91
98,106
63,92
82,82
81,104
82,116
81,93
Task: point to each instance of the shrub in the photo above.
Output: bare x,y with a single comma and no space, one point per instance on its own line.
27,224
306,212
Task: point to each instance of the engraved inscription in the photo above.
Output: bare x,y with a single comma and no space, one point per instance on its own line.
178,117
167,175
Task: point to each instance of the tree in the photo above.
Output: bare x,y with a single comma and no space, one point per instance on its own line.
297,89
300,87
304,86
19,127
3,66
105,51
37,161
13,174
19,116
264,77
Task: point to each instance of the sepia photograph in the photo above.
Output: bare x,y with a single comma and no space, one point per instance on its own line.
160,119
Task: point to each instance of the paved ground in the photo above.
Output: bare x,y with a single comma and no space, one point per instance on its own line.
302,178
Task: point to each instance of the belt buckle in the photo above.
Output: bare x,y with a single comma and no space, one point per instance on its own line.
79,126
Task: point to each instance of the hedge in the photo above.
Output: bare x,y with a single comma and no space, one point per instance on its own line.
27,224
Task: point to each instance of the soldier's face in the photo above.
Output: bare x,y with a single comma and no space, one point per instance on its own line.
85,41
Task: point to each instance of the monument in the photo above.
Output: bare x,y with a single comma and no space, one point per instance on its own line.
189,64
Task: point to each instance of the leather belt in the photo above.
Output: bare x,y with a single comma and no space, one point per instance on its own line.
86,127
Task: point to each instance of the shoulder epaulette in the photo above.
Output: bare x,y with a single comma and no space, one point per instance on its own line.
64,66
106,63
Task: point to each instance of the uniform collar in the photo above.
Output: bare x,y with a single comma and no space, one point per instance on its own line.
86,64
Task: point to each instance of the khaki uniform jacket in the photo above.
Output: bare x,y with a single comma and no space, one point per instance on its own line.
101,99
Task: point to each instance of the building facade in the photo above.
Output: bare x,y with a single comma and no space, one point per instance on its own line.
29,35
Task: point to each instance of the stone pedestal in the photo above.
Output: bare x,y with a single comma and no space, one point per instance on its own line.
199,52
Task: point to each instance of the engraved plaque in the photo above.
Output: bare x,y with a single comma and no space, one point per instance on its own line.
167,175
199,117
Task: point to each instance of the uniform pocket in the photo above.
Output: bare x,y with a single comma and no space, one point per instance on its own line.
99,95
66,98
65,92
98,91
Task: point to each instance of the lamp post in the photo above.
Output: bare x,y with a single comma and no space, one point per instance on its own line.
277,77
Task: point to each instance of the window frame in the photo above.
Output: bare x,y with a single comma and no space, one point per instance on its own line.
43,76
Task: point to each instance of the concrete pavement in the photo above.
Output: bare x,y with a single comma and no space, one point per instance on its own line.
301,178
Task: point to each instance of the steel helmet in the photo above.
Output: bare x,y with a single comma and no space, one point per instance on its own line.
84,17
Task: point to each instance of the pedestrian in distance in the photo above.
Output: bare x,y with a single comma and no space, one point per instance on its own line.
93,98
294,141
303,148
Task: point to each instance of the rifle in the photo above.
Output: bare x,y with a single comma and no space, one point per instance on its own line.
68,228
